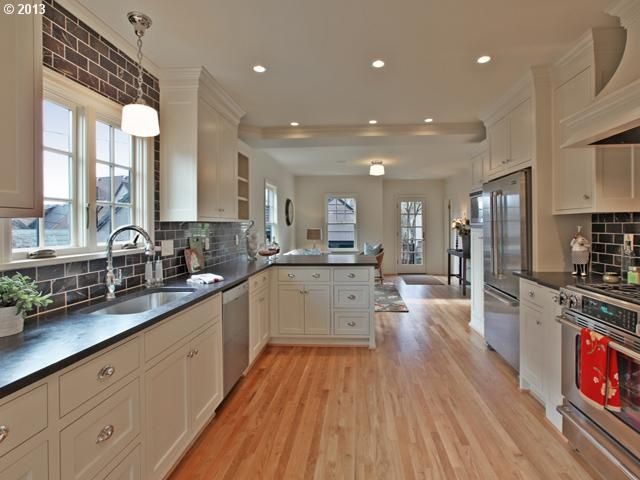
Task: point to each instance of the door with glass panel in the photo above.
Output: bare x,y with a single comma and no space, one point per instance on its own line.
410,235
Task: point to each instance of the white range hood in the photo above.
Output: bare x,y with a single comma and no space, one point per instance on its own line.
614,116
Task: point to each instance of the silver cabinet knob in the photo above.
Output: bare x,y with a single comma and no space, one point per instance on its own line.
556,299
531,294
586,197
351,324
190,354
196,351
4,433
106,372
316,275
351,297
538,322
351,275
291,275
105,434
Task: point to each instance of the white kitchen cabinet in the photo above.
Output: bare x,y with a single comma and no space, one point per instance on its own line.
291,309
33,465
477,281
258,322
21,117
478,165
498,135
167,412
198,149
511,140
205,375
532,341
317,309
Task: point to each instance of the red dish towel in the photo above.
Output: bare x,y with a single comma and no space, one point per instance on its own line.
598,387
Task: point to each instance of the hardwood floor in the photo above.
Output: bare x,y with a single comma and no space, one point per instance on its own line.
430,403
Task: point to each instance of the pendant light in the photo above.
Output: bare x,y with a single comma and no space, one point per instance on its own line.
376,169
138,118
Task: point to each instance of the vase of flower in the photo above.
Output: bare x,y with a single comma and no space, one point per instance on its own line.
463,230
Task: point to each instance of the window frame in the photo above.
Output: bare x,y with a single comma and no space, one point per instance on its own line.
274,224
89,107
326,221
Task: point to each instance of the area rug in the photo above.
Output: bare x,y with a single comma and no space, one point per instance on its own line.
421,280
388,299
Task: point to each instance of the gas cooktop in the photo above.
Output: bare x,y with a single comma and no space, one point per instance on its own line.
622,291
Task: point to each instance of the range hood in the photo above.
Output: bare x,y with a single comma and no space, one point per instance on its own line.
613,118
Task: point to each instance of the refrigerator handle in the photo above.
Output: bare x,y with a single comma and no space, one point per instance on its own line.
501,208
496,231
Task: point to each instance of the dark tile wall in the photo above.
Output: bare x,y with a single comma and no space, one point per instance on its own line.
74,49
608,231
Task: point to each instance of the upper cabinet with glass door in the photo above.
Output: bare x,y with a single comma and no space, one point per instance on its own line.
21,116
198,177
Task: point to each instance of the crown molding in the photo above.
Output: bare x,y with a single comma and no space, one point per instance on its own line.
124,44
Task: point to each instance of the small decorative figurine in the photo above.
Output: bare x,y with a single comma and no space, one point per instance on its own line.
580,253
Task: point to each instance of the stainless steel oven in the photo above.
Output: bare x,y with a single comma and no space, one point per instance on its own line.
609,440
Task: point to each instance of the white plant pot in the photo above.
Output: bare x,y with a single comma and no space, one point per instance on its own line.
10,322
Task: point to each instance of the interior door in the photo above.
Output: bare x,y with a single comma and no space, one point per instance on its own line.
410,235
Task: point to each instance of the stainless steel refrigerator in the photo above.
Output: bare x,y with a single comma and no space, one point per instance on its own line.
507,249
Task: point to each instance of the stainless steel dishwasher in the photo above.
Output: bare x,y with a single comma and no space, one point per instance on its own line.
235,334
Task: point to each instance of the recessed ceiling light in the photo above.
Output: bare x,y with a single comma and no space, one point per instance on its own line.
373,122
377,63
483,59
294,124
428,120
259,68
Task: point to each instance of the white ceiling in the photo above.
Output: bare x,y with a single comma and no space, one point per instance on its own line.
318,55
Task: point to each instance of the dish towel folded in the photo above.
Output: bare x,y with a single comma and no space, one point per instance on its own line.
204,278
598,384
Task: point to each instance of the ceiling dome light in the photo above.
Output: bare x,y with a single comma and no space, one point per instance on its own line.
428,120
373,122
376,169
294,124
259,68
377,63
483,59
138,118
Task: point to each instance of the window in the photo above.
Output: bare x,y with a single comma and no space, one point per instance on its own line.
56,229
270,212
96,177
341,222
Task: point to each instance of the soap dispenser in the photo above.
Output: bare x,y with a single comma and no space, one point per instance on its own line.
158,273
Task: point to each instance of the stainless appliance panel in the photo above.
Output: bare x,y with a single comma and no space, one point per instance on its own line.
476,208
614,424
502,325
235,335
507,231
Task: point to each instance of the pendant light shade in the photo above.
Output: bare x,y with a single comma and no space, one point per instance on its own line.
138,118
376,169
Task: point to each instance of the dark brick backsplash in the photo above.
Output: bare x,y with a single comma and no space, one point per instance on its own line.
74,49
608,231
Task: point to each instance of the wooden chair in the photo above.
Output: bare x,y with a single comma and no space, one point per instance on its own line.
378,267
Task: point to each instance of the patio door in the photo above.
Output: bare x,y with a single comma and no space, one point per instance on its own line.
410,235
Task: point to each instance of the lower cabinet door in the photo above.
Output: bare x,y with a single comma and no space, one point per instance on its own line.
291,309
317,309
265,319
533,341
255,312
32,466
205,375
167,412
129,469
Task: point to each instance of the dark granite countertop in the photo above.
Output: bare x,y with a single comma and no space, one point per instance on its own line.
51,342
555,280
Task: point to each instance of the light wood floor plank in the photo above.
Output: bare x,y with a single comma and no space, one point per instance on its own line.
431,402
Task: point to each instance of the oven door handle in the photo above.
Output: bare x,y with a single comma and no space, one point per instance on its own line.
624,350
564,321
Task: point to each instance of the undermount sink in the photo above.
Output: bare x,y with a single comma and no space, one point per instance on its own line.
144,302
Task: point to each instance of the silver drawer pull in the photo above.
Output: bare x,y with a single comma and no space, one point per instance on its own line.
531,294
351,297
106,372
351,275
105,434
4,433
316,275
190,354
196,352
351,324
291,275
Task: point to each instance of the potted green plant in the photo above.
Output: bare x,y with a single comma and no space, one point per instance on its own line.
19,295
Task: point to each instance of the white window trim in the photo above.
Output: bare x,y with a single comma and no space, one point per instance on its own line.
66,91
270,185
326,222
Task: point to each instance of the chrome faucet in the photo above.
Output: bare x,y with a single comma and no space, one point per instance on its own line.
114,277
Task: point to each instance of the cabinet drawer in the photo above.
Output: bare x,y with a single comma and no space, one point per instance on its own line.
23,417
300,274
86,381
92,441
351,323
351,274
158,339
351,296
531,293
258,281
129,469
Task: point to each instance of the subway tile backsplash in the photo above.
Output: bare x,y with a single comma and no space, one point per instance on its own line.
75,50
608,231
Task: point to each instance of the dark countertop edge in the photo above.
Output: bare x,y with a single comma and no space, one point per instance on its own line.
557,280
37,375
